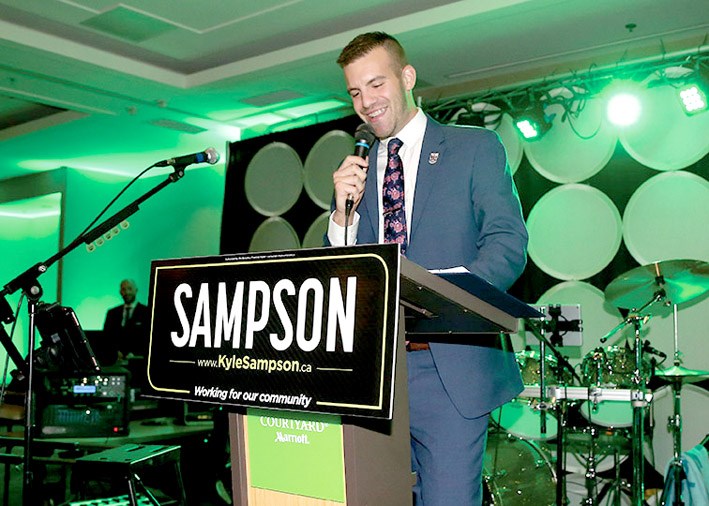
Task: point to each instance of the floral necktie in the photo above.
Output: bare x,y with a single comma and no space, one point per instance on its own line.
393,197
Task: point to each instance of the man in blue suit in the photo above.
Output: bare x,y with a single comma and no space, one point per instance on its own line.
461,209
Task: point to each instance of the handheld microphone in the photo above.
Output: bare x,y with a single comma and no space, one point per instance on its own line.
209,155
364,138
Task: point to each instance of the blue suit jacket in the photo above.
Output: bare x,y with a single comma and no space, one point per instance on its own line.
466,212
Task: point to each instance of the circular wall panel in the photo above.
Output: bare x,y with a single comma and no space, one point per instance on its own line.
502,123
574,232
665,138
274,179
322,160
570,152
666,219
317,230
274,234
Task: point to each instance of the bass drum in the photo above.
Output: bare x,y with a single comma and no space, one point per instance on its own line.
517,472
520,417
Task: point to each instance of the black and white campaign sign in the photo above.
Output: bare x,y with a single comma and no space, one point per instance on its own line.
302,330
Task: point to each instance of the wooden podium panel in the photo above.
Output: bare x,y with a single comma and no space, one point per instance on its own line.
376,453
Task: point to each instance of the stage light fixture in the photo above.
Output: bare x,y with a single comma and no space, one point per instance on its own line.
623,109
533,122
471,119
693,99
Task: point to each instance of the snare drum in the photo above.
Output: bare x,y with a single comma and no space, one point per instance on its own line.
517,472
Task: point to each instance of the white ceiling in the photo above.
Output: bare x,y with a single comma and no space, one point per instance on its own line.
112,86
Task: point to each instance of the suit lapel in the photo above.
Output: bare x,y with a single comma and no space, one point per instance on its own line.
432,152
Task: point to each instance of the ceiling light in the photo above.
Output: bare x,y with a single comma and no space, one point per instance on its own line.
693,99
623,109
533,122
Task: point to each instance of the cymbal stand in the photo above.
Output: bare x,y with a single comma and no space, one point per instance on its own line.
637,396
674,424
639,403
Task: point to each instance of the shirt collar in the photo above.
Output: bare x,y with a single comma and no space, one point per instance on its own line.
413,131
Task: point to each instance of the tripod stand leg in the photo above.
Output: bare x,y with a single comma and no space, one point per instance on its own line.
133,480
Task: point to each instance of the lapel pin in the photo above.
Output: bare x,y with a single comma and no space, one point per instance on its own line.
433,157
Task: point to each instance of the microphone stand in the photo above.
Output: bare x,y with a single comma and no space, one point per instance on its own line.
29,284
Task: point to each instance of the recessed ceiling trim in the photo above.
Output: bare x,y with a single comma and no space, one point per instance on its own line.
128,24
40,124
241,19
53,101
333,43
63,47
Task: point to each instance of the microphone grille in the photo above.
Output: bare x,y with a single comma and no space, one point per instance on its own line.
365,133
212,155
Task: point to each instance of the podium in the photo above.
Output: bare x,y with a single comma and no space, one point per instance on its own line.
376,453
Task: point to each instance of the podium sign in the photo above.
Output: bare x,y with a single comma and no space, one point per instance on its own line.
303,330
300,443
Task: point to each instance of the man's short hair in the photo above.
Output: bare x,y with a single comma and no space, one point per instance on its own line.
366,42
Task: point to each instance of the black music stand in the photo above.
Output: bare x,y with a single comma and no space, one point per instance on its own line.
128,461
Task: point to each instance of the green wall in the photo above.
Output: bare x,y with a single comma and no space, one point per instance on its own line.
29,233
181,220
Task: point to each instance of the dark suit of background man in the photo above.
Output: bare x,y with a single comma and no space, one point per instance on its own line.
461,209
127,325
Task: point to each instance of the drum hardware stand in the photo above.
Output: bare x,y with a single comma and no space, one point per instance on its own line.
590,475
677,375
595,395
674,422
637,394
671,282
639,403
616,486
538,327
674,425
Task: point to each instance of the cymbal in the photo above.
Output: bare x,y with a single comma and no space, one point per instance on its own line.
681,280
677,372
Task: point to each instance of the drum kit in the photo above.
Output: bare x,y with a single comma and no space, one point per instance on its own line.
571,428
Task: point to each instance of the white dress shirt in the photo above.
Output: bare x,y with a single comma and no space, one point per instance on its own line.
412,138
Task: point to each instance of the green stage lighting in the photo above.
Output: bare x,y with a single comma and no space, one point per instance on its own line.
623,109
533,123
693,99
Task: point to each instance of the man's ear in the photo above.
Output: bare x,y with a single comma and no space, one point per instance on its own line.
408,74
